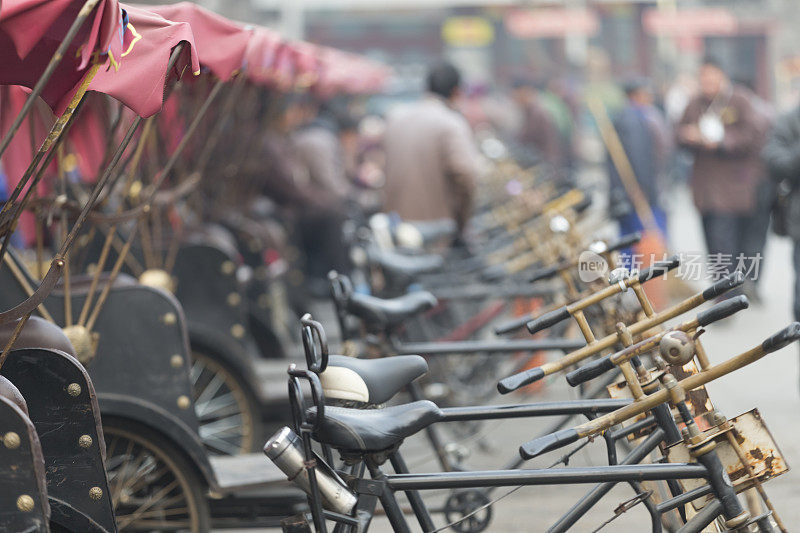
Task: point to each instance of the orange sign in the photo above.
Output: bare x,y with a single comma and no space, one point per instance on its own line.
550,22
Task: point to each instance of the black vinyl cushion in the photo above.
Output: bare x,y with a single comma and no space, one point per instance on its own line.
372,430
389,312
409,266
384,377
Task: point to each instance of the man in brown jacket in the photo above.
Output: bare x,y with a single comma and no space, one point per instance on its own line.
431,160
724,133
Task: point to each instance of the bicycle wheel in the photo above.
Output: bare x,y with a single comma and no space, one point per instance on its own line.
153,487
228,413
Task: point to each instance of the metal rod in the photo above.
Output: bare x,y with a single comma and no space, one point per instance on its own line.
583,505
558,476
492,412
493,346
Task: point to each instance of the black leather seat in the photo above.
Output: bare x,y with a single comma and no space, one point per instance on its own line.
371,381
372,430
392,311
402,265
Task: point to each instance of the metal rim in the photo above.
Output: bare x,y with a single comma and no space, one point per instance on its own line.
148,490
226,417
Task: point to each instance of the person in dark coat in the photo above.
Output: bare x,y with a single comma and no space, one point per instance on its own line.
782,157
647,141
722,130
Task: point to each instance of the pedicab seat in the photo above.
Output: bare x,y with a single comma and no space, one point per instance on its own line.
371,381
387,313
402,265
37,333
373,430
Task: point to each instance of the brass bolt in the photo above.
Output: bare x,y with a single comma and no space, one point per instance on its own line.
73,389
234,299
176,361
95,493
228,268
25,503
11,440
237,330
84,441
183,402
169,319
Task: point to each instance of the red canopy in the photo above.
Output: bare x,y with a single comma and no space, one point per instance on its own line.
272,62
31,30
349,73
221,44
260,56
139,82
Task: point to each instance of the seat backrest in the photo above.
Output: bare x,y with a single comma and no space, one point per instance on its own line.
23,506
63,408
37,333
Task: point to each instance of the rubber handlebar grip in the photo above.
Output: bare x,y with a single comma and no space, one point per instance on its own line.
723,310
550,442
589,371
517,381
512,325
548,320
783,338
724,285
659,268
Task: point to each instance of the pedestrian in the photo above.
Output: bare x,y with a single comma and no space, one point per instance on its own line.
782,157
647,142
539,132
431,159
721,129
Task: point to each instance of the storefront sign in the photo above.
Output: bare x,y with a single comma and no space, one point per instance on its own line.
467,31
550,22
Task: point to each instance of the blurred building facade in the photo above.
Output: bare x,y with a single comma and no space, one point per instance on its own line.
756,40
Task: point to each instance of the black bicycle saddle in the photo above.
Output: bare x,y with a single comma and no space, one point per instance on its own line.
370,381
373,430
386,313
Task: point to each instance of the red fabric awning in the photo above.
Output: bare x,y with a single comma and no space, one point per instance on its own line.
32,30
262,50
221,43
139,82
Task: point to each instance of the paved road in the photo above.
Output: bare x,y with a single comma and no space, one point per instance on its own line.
771,385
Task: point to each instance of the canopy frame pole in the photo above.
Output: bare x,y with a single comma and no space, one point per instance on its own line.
58,55
151,194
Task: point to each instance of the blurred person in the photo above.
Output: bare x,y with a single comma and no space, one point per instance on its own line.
647,142
558,101
722,129
317,164
431,160
318,145
539,132
755,237
782,157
